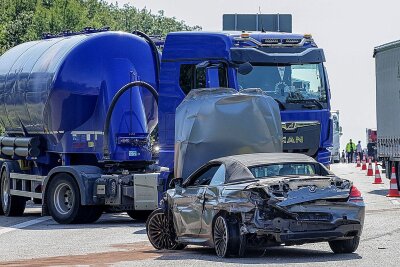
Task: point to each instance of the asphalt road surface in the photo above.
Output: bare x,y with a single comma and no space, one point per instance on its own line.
118,240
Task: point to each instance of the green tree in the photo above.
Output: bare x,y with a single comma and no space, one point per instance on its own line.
26,20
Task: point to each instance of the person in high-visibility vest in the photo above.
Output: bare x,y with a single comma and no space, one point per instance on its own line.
350,149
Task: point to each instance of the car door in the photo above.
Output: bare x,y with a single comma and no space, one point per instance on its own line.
188,204
211,200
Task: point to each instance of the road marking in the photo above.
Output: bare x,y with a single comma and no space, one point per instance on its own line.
23,225
395,202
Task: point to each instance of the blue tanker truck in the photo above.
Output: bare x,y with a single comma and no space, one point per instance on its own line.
79,109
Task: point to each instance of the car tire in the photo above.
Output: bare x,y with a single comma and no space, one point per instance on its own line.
64,201
10,205
139,215
160,233
226,237
345,246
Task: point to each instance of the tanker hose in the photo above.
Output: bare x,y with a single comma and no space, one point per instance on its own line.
106,151
154,48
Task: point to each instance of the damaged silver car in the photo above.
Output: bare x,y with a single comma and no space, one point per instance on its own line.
259,200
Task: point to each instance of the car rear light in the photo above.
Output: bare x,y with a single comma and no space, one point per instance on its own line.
355,195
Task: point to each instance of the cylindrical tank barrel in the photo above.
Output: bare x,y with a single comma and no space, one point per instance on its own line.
7,150
20,141
27,142
8,141
24,151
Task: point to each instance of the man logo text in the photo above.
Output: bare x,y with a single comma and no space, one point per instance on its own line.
293,140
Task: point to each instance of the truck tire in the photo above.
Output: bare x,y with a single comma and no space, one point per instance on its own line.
139,215
64,201
388,169
37,201
11,205
345,246
94,213
1,202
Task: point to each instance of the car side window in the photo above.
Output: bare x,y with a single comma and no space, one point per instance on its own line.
204,176
219,176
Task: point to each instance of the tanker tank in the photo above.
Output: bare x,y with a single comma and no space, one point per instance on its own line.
59,89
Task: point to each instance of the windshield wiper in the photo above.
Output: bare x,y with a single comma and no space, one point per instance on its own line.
281,105
314,101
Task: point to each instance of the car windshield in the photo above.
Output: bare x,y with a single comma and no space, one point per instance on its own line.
288,83
271,170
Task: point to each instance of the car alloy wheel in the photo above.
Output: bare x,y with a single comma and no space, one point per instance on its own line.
159,232
221,237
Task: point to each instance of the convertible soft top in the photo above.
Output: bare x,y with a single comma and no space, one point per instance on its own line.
237,165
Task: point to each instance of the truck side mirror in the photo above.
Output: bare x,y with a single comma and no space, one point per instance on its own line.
340,131
208,73
245,68
212,77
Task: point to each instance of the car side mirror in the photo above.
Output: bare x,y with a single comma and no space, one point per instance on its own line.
176,182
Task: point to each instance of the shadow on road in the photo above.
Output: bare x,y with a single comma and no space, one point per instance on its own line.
107,220
380,192
280,255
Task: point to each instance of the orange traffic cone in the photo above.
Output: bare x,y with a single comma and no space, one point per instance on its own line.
369,171
378,179
364,166
358,162
393,190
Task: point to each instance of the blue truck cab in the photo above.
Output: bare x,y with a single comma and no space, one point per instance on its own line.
288,67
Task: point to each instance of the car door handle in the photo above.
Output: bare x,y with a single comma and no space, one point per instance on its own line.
200,196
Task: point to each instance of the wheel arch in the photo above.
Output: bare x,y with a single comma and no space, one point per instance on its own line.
83,175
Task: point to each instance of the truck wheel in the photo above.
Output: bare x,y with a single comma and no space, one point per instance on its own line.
1,202
388,169
160,233
345,246
94,213
37,201
139,215
64,201
11,205
227,241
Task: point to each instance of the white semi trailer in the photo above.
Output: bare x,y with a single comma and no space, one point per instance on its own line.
387,70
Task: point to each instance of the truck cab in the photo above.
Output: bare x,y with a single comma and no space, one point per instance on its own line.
288,67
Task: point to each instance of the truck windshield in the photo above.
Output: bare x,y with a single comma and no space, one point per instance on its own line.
294,83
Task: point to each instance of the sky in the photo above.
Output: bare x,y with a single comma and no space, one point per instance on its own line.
348,31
